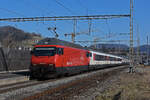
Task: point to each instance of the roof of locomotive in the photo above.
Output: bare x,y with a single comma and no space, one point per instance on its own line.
54,41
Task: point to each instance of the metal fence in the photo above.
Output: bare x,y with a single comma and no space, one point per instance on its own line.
12,59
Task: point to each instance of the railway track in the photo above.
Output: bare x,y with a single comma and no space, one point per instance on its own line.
75,87
15,86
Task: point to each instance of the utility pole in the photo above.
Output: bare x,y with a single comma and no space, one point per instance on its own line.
131,67
74,30
73,35
147,49
90,26
119,49
138,47
95,42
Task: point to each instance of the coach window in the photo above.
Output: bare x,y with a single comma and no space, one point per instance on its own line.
114,59
103,58
99,57
111,58
96,57
107,58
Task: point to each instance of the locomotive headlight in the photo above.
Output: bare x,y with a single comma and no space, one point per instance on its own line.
51,64
34,64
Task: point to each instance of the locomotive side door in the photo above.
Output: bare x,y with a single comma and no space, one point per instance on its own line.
60,52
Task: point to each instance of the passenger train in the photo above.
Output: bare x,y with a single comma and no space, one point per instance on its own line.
53,57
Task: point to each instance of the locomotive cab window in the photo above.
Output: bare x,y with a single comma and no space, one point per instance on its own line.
44,51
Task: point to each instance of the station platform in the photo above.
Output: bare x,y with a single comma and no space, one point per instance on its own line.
12,77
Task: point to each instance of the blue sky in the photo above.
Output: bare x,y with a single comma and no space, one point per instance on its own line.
101,28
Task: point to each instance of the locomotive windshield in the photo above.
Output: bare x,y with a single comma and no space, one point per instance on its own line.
44,51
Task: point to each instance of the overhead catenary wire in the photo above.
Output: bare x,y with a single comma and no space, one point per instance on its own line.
68,9
46,10
13,12
62,5
52,13
86,8
39,8
49,12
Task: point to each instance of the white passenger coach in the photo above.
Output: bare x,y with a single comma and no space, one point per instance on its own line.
100,60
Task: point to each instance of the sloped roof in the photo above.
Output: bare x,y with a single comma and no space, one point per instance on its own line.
54,41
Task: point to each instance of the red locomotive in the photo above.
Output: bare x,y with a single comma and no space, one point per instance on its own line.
56,57
57,60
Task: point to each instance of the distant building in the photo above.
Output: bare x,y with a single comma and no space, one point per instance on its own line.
29,43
